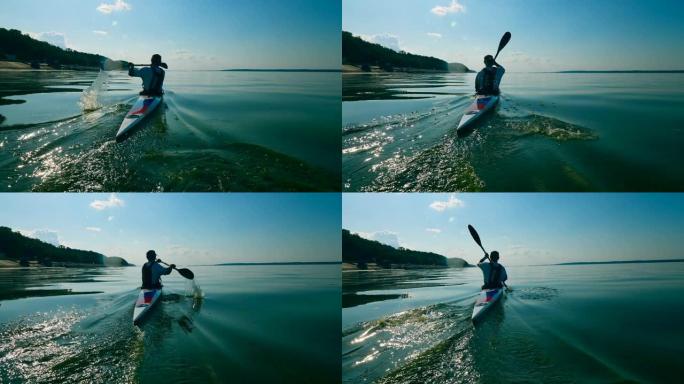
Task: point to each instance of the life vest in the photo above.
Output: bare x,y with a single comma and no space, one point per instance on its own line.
494,274
488,80
156,83
147,282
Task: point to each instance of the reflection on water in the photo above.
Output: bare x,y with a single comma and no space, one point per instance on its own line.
550,132
418,328
216,131
249,323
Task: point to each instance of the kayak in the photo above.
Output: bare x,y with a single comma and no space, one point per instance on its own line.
142,108
146,299
479,107
485,300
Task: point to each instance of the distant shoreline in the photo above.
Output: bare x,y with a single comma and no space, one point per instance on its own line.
623,262
19,66
279,70
280,263
622,71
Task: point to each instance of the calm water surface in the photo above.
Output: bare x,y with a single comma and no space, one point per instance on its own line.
253,324
560,324
550,132
216,131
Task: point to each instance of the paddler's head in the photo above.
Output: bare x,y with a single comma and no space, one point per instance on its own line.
151,255
494,256
156,60
489,60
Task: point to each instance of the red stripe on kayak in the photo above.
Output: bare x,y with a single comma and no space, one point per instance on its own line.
482,103
144,108
490,295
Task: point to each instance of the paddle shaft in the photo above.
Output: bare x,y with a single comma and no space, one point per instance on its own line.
188,274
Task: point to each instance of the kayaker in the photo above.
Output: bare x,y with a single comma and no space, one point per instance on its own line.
152,271
488,79
494,273
152,76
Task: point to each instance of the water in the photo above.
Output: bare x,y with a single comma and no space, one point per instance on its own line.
216,131
254,324
560,324
550,132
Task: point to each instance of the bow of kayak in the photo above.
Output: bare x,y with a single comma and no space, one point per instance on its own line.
479,107
485,300
143,106
146,299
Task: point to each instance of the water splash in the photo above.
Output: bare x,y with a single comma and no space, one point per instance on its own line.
192,289
90,98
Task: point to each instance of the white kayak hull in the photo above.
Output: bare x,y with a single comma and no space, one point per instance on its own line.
142,108
485,300
479,107
146,300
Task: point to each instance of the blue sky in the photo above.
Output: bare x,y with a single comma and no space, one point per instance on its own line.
548,35
527,228
186,228
206,34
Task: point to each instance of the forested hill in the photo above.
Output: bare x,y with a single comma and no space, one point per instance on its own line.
15,246
357,52
360,251
23,48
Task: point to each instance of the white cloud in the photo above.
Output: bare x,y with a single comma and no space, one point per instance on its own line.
101,33
93,229
58,39
384,237
46,235
433,230
112,202
183,54
117,6
435,35
443,10
385,39
453,202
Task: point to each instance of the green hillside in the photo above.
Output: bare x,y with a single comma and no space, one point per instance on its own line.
360,251
356,51
17,247
23,48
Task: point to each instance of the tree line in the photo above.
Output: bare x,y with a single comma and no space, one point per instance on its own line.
16,246
356,51
27,49
360,251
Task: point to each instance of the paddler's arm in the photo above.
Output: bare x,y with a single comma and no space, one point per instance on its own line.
478,82
168,270
132,71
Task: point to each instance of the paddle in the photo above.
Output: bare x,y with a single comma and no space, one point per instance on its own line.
163,65
183,271
476,237
504,40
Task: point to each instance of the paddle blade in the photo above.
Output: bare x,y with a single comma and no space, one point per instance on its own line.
186,273
474,234
504,40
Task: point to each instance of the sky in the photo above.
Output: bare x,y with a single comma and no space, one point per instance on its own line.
183,228
206,34
526,228
548,35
